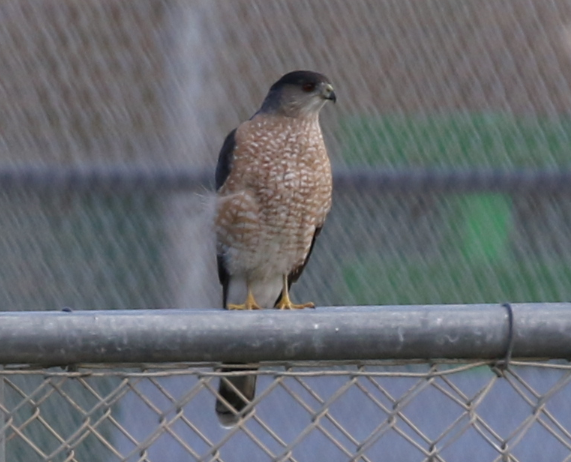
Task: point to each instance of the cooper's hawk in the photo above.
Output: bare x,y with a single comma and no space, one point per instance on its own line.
274,191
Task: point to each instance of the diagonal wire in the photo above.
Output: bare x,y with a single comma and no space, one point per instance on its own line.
317,415
391,421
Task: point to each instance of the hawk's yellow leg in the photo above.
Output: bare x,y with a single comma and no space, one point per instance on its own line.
286,304
249,304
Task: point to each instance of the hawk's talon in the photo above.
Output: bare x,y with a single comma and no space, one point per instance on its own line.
249,304
285,303
293,306
244,307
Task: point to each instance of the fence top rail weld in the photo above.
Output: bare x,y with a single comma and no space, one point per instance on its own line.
146,179
424,332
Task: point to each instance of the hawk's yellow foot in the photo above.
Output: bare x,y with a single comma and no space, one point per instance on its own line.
286,304
249,304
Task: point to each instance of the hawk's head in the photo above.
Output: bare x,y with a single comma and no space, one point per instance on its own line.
299,94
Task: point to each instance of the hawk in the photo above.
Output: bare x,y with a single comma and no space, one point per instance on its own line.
273,182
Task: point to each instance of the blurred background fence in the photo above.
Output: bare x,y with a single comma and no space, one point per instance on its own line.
450,141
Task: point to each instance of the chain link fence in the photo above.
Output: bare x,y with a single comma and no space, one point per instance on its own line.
450,142
358,412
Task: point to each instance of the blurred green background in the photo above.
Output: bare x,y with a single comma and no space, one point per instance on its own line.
461,248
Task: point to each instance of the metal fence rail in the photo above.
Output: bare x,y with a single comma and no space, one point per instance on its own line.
365,408
334,333
154,180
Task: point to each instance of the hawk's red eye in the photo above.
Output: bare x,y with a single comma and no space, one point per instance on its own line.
307,87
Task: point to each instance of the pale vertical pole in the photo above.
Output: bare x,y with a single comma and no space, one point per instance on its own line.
2,421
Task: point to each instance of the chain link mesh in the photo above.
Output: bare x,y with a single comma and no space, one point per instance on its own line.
364,412
157,84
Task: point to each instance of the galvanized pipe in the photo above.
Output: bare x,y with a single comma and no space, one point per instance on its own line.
541,330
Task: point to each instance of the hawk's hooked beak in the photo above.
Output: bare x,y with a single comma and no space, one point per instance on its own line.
328,93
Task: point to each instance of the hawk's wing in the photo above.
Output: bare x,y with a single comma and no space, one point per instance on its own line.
223,169
225,158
